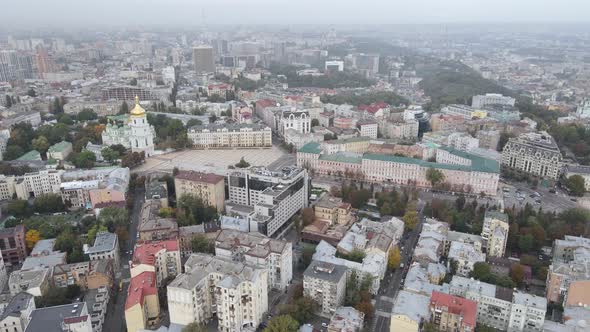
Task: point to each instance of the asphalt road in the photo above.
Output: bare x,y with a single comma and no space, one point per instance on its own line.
557,202
115,318
391,284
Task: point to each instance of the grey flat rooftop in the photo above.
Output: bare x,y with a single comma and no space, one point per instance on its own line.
104,241
325,271
50,319
17,304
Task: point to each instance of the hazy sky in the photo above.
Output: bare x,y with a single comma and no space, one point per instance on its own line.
188,12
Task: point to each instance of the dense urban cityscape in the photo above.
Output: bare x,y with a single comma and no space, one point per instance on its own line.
283,178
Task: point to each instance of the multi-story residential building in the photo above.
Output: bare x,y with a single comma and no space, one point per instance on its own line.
236,292
59,151
527,313
274,255
495,233
208,187
333,209
203,59
88,275
481,101
142,306
298,139
571,263
38,183
488,139
368,128
326,284
13,245
409,312
274,196
462,141
466,255
160,257
32,117
77,193
399,129
34,282
494,303
467,112
73,317
17,314
346,319
106,246
152,226
7,187
452,313
536,154
230,136
447,122
463,171
97,301
128,93
298,120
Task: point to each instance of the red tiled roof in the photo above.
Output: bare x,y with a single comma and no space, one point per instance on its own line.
456,305
74,320
219,86
373,108
141,285
263,103
199,177
145,252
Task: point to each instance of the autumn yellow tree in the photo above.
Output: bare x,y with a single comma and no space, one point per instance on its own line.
394,258
32,237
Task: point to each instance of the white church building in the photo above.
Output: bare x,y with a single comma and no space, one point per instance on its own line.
136,133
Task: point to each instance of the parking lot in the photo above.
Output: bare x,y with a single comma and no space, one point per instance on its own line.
518,195
210,160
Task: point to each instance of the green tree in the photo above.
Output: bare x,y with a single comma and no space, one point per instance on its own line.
193,122
66,119
308,216
109,154
315,122
40,144
302,310
91,234
194,327
394,259
435,176
282,323
481,271
111,217
124,109
48,203
13,152
242,163
526,242
200,243
193,211
85,159
517,273
410,218
31,92
87,115
133,82
18,208
576,185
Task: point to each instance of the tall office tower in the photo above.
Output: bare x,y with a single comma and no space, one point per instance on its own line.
220,47
44,62
203,59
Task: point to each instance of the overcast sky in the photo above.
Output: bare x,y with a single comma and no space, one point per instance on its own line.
188,12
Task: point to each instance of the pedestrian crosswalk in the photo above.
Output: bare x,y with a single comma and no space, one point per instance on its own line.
387,298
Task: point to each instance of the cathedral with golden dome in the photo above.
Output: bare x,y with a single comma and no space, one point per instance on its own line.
136,133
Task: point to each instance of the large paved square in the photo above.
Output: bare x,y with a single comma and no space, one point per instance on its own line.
215,161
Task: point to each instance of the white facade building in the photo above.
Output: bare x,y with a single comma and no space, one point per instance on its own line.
527,313
495,233
106,246
230,136
136,134
533,153
298,120
326,284
480,101
237,293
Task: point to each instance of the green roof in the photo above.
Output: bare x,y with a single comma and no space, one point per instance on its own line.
31,155
311,147
343,157
351,140
478,164
59,147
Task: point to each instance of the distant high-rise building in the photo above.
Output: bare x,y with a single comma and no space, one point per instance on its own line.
44,62
220,47
16,66
203,59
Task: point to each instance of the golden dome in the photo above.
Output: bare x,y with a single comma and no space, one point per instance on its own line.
137,110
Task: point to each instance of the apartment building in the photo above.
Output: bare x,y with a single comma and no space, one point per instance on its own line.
346,319
467,112
481,101
399,129
38,183
106,246
272,197
452,313
447,122
78,193
88,275
462,141
274,255
13,245
17,313
153,227
527,313
142,306
333,209
571,263
235,292
208,187
410,310
533,153
60,150
67,317
463,171
160,257
298,120
368,128
495,233
326,284
230,136
466,255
